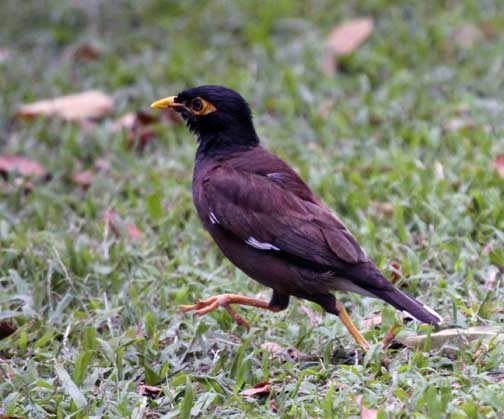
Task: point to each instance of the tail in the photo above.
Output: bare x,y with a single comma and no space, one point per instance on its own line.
368,277
404,302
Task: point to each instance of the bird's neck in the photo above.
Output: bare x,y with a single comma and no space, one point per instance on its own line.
216,145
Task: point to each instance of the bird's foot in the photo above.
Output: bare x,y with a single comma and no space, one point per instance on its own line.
225,300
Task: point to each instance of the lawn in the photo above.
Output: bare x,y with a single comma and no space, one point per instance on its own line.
401,141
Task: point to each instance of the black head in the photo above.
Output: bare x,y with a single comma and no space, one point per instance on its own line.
219,116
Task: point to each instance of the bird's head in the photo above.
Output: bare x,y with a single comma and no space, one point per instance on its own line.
219,116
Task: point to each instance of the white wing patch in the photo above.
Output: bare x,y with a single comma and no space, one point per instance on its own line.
276,176
213,218
260,245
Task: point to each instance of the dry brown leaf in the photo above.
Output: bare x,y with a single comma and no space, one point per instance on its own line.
102,165
21,165
150,391
273,405
365,412
134,232
390,336
86,177
262,388
272,347
283,354
385,208
468,35
498,164
345,39
86,52
124,122
90,104
132,119
83,178
137,126
396,271
171,117
453,336
372,321
121,228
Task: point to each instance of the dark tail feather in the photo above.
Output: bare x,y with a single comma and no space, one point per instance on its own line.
402,301
368,277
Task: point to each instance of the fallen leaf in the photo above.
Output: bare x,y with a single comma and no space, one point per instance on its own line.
127,121
85,52
390,336
365,412
261,388
273,405
468,35
345,39
7,328
137,126
498,164
171,117
283,354
134,232
21,165
83,178
102,165
396,271
454,336
272,347
90,104
385,208
372,321
121,228
150,391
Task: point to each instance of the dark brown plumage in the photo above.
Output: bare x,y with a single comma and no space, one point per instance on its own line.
268,222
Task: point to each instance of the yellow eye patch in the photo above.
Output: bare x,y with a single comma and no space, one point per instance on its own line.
199,106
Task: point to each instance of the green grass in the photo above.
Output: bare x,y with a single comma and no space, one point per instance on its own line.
97,316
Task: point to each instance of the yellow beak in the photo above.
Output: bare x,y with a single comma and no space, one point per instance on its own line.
167,102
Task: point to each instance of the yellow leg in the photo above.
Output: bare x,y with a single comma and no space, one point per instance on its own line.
347,321
225,300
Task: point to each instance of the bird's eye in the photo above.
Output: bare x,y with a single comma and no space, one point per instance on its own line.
197,105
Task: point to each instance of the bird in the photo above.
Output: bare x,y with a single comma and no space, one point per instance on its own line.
268,222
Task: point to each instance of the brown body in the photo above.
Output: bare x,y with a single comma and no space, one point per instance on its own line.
267,221
272,186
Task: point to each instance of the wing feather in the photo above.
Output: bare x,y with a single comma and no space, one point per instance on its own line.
255,207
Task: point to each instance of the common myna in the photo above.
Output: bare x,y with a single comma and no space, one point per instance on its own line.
268,222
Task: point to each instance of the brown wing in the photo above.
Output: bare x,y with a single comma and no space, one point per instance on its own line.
263,211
